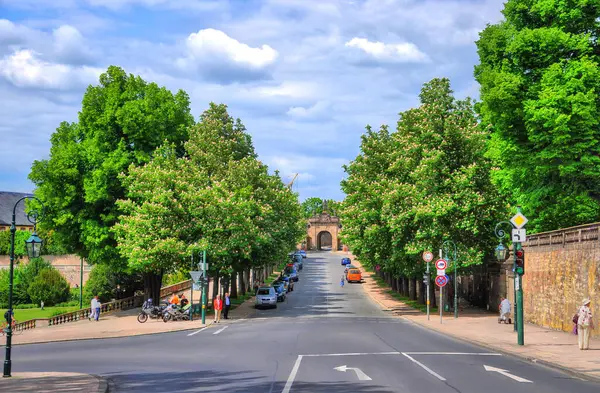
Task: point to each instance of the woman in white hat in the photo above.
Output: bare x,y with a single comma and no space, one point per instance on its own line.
584,324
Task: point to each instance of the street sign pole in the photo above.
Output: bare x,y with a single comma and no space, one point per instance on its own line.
204,287
518,221
427,289
441,305
192,293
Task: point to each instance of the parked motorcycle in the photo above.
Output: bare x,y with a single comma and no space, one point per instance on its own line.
177,313
151,310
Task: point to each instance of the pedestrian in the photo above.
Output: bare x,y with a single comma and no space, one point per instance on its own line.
93,307
227,306
218,307
174,299
505,310
342,282
42,304
98,307
585,323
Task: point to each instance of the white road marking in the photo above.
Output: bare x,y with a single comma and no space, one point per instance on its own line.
197,331
220,330
430,371
359,373
290,380
352,354
454,353
506,374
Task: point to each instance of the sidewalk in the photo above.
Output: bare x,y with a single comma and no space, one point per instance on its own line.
120,324
53,382
553,348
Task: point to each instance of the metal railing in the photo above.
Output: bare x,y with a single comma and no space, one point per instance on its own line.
74,316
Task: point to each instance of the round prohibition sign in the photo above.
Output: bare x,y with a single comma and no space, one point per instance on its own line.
441,264
428,256
441,281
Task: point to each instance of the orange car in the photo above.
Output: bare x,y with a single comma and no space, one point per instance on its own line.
354,275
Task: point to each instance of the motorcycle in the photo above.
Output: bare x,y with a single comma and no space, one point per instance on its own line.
152,311
176,313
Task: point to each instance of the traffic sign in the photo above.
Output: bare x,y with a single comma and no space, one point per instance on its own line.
196,275
441,272
441,264
519,220
519,235
378,268
441,281
428,256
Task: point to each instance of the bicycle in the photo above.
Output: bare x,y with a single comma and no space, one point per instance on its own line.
16,330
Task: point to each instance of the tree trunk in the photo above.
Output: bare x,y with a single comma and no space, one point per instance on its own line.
247,280
234,290
394,285
413,288
152,285
422,291
215,288
242,282
405,287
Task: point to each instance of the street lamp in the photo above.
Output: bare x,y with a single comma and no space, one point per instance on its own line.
34,247
502,253
446,247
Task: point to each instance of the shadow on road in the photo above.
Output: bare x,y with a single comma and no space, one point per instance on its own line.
230,382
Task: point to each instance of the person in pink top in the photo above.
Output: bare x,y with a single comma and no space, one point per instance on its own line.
585,324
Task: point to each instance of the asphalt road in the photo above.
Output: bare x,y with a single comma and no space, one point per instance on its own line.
324,338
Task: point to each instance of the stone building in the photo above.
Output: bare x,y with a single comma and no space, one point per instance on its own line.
323,233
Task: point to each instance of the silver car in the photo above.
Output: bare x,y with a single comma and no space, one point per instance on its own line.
266,297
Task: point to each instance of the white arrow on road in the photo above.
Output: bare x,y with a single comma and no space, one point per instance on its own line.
361,376
506,374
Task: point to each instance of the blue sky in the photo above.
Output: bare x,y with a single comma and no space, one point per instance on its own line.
304,76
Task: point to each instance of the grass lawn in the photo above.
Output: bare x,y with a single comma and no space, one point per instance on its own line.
411,303
34,313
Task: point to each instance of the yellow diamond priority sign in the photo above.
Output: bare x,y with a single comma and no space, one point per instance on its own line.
519,220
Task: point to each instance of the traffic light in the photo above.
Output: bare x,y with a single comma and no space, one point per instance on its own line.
520,261
426,278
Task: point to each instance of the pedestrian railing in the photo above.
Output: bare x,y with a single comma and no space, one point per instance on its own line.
175,288
74,316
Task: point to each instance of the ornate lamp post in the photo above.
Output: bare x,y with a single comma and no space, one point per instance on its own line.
449,246
34,248
501,255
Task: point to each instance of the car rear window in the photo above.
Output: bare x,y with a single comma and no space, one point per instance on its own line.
354,272
263,292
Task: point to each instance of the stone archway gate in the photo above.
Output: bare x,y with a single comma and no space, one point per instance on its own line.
323,223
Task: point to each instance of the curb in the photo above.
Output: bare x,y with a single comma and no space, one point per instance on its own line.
102,384
520,356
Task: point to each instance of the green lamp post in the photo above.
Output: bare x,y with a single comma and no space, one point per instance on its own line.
34,248
501,255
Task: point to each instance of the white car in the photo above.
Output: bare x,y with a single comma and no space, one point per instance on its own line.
266,297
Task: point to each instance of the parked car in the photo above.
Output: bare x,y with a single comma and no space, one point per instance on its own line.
303,253
348,267
266,297
354,275
289,284
346,261
280,289
292,272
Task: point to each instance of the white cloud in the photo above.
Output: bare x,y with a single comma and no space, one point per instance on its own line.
24,69
221,57
69,46
404,52
312,111
287,89
11,33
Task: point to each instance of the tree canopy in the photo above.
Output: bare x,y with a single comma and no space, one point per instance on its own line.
121,123
539,76
218,197
313,205
409,190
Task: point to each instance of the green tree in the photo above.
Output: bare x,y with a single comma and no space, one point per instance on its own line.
539,76
50,287
20,237
427,182
313,206
121,122
218,198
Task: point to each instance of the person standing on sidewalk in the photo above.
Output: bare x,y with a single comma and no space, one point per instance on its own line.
98,307
227,306
93,307
218,306
585,323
